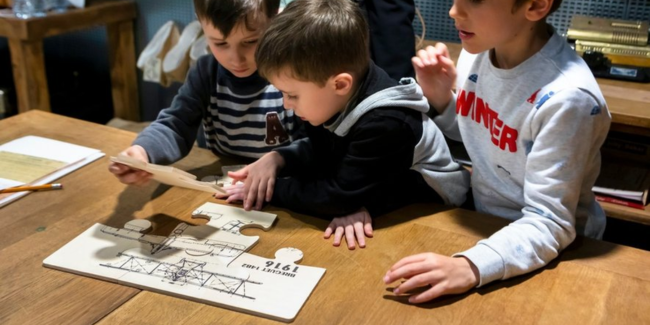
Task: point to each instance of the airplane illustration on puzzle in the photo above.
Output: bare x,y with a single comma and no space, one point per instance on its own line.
208,264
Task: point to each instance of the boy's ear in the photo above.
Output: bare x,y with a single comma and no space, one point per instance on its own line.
342,83
537,10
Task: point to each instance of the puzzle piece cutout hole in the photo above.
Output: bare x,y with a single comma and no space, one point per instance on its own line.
232,219
140,225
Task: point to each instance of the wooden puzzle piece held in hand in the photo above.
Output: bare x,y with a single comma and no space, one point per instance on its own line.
169,175
201,263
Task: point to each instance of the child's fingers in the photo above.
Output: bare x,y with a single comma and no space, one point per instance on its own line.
367,223
410,270
328,232
409,259
338,235
417,63
349,237
432,53
367,229
235,197
418,281
442,49
446,64
239,174
424,57
269,189
220,195
434,292
250,194
118,169
141,178
261,195
129,177
359,233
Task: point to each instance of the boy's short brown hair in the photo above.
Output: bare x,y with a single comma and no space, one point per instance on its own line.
556,4
315,40
225,14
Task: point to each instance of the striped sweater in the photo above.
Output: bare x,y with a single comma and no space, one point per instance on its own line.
240,116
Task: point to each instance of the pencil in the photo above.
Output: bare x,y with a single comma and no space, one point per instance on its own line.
55,186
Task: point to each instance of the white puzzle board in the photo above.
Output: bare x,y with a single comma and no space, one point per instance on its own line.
207,263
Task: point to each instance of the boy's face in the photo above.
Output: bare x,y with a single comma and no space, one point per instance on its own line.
236,52
486,24
311,102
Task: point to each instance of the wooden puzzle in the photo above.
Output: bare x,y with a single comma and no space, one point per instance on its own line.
208,264
169,175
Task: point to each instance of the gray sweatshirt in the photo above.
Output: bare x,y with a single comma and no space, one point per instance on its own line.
533,134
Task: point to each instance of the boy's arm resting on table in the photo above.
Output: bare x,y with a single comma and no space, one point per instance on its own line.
171,136
568,132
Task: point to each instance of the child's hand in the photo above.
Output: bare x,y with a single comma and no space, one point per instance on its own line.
128,175
259,180
234,193
445,275
358,224
436,74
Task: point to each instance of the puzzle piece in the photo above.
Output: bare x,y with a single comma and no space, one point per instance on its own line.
202,263
168,175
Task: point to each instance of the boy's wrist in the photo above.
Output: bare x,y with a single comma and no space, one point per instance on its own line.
440,103
473,276
277,159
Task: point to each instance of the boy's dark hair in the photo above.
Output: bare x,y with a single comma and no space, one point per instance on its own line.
225,14
556,4
315,40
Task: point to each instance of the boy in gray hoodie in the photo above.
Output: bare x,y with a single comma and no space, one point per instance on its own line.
370,144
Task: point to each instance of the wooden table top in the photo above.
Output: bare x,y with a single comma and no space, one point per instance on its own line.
628,102
592,282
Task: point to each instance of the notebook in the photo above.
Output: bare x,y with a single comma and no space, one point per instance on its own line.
36,160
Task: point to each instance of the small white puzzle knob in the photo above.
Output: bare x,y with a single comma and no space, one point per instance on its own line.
289,255
139,225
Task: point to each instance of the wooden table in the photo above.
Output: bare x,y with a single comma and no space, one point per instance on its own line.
592,282
26,46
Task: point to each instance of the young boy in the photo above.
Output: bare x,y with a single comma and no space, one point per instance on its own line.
241,113
533,119
370,143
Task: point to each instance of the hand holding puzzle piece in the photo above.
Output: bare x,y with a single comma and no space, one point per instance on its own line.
169,175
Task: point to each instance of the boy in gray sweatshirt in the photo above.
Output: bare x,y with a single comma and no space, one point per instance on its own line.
533,119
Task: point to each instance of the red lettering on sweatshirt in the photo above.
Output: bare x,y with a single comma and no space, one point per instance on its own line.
533,97
502,135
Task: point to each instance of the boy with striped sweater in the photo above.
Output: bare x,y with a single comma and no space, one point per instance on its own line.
241,113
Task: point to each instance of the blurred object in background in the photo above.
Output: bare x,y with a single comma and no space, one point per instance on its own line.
25,9
623,42
57,5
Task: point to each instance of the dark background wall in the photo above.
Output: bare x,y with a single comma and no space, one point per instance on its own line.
77,63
